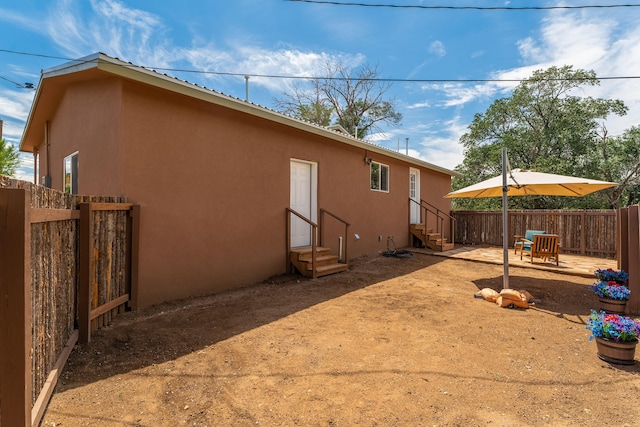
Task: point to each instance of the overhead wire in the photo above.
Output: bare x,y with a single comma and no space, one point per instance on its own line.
449,7
301,77
20,85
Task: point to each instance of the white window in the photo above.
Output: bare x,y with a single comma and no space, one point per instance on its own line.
379,177
71,173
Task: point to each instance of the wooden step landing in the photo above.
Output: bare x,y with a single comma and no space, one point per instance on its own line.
301,259
429,238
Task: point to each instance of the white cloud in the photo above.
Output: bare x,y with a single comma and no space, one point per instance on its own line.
113,28
138,36
15,104
440,145
134,35
437,48
424,104
66,30
459,94
288,62
434,142
10,16
610,47
14,109
530,51
25,171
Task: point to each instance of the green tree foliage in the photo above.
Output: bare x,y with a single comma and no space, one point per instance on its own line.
353,99
617,159
545,126
307,104
9,160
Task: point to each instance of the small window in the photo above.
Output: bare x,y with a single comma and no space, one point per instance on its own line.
379,177
71,173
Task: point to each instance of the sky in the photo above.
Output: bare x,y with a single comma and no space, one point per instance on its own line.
430,53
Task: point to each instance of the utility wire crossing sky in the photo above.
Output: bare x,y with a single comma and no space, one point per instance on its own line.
445,63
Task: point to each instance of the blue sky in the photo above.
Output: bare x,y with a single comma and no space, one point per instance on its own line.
279,37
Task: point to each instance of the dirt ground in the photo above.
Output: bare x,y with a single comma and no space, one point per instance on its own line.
392,342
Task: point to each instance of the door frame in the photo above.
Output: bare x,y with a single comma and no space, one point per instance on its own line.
414,210
313,197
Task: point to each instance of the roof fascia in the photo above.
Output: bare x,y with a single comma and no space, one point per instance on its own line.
32,110
81,64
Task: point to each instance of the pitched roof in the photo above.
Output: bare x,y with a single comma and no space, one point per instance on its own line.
54,80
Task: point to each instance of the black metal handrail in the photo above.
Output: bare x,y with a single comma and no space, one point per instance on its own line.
440,215
426,208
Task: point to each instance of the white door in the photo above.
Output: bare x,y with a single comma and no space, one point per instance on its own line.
302,200
414,194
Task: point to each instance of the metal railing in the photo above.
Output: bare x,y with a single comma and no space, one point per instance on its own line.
314,238
345,241
314,245
440,216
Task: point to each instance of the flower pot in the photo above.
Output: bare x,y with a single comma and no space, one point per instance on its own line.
614,306
621,353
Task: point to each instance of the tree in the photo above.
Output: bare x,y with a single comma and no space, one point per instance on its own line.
545,127
617,159
307,104
353,99
9,158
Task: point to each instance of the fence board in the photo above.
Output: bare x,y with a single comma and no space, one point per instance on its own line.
15,309
51,270
591,233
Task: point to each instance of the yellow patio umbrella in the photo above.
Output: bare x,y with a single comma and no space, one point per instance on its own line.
519,182
532,183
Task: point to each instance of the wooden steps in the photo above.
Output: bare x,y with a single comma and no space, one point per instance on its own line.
429,239
301,258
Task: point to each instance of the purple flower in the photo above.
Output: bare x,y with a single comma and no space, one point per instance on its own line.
609,275
613,327
611,290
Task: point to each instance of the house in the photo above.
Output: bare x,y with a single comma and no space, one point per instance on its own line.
215,175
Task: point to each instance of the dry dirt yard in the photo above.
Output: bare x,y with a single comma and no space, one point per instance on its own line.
392,342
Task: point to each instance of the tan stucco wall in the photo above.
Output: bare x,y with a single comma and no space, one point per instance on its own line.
87,121
213,184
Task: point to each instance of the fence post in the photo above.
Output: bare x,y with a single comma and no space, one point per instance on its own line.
622,238
583,230
15,308
134,245
633,258
85,273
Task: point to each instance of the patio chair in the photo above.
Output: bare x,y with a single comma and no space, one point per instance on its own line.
545,246
525,241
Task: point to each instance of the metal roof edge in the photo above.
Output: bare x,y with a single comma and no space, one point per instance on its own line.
27,122
80,64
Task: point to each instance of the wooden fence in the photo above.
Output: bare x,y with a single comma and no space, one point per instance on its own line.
629,252
68,264
584,232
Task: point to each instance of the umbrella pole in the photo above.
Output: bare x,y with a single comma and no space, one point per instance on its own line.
505,222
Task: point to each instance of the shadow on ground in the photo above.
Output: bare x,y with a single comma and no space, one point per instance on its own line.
171,330
556,297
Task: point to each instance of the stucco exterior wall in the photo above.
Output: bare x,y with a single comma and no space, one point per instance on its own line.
213,184
86,121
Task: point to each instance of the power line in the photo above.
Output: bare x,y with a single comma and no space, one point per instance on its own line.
399,6
20,85
294,77
377,79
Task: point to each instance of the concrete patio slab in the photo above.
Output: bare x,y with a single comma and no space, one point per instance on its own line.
576,265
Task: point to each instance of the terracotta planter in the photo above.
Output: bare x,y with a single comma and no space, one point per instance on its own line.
622,353
613,306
